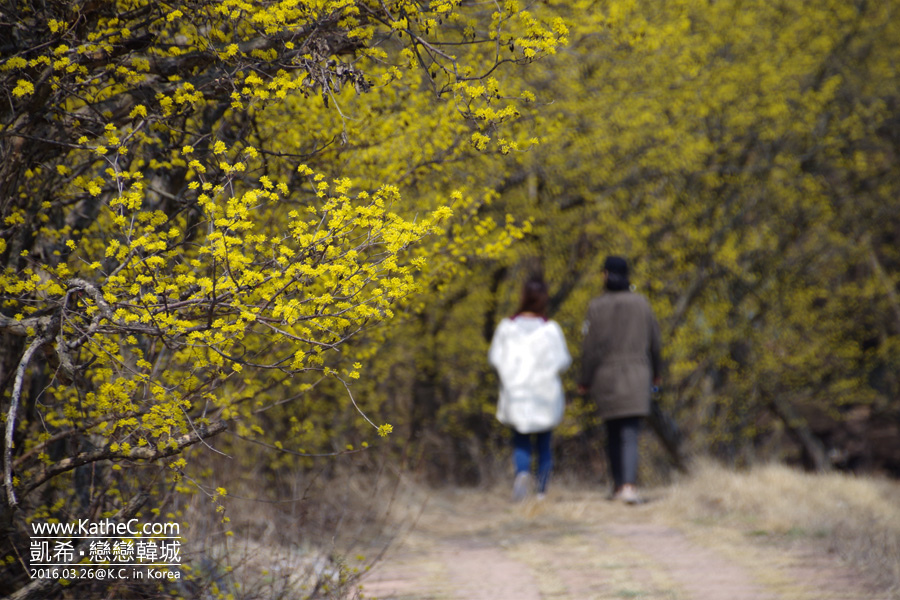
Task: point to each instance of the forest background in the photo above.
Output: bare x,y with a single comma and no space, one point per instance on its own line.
282,231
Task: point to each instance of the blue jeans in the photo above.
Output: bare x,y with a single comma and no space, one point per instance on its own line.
525,446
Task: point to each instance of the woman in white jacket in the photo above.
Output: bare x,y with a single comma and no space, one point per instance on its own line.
529,353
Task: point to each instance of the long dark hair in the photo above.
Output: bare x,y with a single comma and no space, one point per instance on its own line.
534,297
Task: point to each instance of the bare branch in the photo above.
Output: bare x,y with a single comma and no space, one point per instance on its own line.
146,453
21,327
11,416
883,278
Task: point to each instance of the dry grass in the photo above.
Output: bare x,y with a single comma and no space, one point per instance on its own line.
301,538
856,517
305,540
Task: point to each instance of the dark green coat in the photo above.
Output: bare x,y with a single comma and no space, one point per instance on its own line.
620,354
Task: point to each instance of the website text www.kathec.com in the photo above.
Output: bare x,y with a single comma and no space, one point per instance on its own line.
105,550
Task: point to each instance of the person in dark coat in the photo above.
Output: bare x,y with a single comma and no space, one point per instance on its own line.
620,364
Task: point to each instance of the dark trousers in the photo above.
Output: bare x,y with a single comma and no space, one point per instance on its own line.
622,449
525,446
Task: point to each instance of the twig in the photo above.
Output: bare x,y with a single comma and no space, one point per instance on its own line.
197,433
883,278
296,453
356,406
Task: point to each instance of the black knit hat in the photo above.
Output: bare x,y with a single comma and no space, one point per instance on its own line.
617,265
616,274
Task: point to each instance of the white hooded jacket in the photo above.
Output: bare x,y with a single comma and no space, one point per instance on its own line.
529,354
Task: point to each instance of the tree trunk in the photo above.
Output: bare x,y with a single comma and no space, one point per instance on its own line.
813,448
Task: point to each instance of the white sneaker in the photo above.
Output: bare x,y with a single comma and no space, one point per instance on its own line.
628,495
521,486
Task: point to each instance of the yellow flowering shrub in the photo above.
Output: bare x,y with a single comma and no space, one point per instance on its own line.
204,205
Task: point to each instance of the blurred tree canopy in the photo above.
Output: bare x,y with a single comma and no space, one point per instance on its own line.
743,156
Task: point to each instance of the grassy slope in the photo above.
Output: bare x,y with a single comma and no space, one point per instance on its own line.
857,518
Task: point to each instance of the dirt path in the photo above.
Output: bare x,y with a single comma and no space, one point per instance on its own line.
475,545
